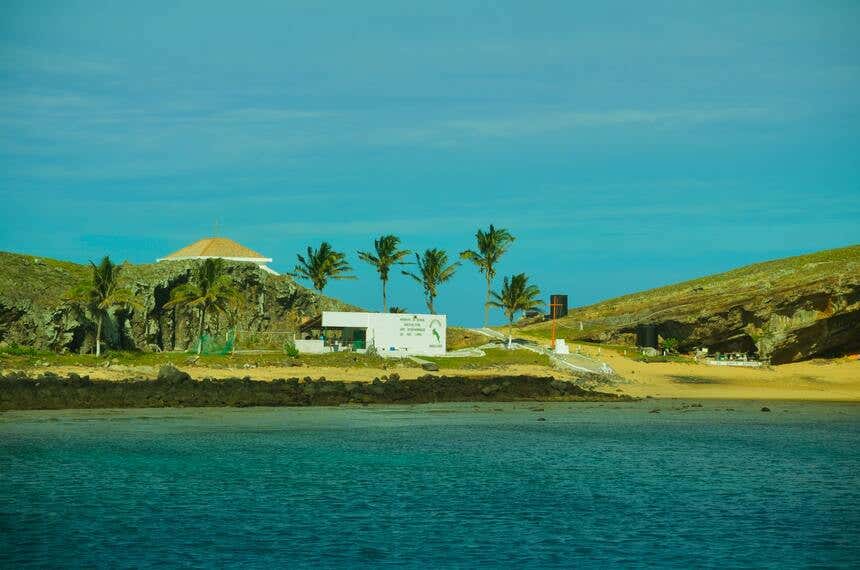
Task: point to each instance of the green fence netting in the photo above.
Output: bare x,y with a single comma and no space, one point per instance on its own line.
212,344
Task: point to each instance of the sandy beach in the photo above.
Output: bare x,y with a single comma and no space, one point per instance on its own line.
357,374
836,380
822,380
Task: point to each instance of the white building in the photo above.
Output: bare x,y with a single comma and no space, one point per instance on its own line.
391,334
223,248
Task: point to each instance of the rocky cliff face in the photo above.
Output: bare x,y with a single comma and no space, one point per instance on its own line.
785,310
33,312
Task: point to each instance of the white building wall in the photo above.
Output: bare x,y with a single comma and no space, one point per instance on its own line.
396,334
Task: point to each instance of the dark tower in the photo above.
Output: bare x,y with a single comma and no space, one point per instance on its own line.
646,336
560,302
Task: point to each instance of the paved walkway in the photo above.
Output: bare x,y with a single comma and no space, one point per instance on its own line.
575,362
493,334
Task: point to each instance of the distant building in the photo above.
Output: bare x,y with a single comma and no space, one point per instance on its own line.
223,248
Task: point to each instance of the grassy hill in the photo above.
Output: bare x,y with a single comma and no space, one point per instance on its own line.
786,309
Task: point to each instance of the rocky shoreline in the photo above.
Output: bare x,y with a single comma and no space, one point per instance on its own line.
174,388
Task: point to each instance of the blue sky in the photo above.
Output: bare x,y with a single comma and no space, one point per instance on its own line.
626,145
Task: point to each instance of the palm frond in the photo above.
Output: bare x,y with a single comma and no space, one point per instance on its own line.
121,297
321,265
516,295
182,295
492,245
433,270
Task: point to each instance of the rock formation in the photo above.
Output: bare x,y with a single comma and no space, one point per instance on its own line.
784,310
33,311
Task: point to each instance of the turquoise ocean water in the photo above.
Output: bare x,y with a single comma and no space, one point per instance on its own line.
433,486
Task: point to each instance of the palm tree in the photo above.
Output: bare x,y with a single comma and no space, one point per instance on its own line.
397,310
492,244
102,294
321,265
387,255
433,270
516,295
210,289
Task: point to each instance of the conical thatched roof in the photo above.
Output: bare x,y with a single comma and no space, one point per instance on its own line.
217,247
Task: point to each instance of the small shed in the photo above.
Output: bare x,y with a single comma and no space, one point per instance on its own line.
390,334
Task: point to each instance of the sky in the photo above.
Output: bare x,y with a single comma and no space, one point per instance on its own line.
626,145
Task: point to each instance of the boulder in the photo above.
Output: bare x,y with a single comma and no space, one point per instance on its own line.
169,373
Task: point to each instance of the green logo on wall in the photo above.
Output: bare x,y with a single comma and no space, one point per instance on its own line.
435,328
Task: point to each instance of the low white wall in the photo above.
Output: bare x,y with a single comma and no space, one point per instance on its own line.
741,363
309,346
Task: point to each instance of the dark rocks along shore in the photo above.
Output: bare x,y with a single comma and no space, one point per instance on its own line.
174,388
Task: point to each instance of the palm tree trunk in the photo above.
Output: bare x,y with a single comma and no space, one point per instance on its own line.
200,337
99,336
173,328
430,305
384,300
487,303
510,333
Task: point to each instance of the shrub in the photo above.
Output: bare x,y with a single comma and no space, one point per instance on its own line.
671,345
290,349
17,350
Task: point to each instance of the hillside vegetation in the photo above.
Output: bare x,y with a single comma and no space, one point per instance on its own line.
786,310
34,313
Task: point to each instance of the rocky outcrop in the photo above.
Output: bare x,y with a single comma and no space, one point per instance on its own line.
174,388
794,326
784,310
33,311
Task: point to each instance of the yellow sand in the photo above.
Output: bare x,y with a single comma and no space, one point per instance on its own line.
814,380
358,374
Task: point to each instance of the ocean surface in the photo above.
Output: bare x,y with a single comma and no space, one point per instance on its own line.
445,485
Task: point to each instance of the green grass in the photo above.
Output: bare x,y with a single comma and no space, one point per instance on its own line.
22,358
37,280
15,350
16,358
457,338
496,357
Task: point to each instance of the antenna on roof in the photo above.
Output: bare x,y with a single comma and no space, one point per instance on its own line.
215,228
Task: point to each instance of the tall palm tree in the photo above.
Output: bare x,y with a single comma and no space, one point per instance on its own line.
321,265
387,255
492,244
516,295
210,289
102,294
433,270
